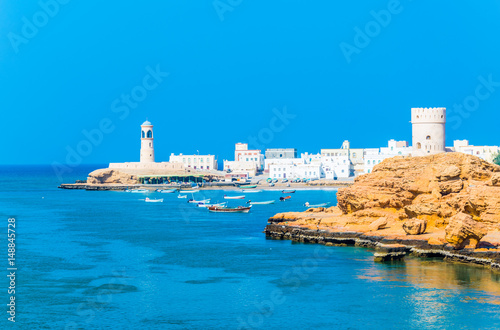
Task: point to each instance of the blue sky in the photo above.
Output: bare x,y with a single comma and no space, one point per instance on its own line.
222,67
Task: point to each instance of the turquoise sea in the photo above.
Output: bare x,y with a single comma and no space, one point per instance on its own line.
107,260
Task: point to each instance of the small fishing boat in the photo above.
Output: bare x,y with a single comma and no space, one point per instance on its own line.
316,205
234,197
282,199
166,191
211,205
251,190
189,191
239,209
260,203
288,191
203,201
181,196
249,186
139,191
149,200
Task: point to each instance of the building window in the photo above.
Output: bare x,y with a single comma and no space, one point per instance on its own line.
143,135
368,162
208,167
150,134
419,145
428,137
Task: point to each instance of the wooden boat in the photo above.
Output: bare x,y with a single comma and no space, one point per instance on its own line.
181,196
251,190
149,200
203,201
288,191
316,205
234,197
239,209
282,199
210,205
139,191
188,191
260,203
167,191
249,186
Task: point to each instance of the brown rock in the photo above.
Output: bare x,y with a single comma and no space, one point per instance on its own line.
462,229
380,223
495,179
107,175
414,226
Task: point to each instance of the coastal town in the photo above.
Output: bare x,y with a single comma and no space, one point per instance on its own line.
330,166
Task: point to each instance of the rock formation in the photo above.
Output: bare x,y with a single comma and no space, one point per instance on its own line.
417,196
462,229
414,226
108,176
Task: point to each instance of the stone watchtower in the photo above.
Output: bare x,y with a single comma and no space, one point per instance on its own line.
147,147
428,131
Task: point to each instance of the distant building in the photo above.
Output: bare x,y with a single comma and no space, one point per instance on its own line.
428,131
246,161
276,153
147,155
197,162
484,152
374,156
147,147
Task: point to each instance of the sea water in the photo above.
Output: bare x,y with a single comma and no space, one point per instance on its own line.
108,260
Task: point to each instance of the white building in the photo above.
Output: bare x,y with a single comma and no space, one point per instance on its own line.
428,131
374,156
147,156
242,154
197,162
334,168
484,152
147,147
295,171
245,161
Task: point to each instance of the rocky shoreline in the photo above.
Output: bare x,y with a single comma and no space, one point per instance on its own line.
412,246
445,205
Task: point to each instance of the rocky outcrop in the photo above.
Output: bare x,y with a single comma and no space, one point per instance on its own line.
463,230
432,188
380,223
414,226
447,201
109,176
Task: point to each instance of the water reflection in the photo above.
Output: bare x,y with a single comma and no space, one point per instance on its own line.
438,275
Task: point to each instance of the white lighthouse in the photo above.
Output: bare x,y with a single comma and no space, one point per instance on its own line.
147,147
428,131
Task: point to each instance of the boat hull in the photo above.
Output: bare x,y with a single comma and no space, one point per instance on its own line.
229,210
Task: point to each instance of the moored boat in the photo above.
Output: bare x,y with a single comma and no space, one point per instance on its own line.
149,200
288,191
139,191
202,201
189,191
166,191
181,196
251,190
316,205
249,186
260,203
239,209
282,199
234,197
211,205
